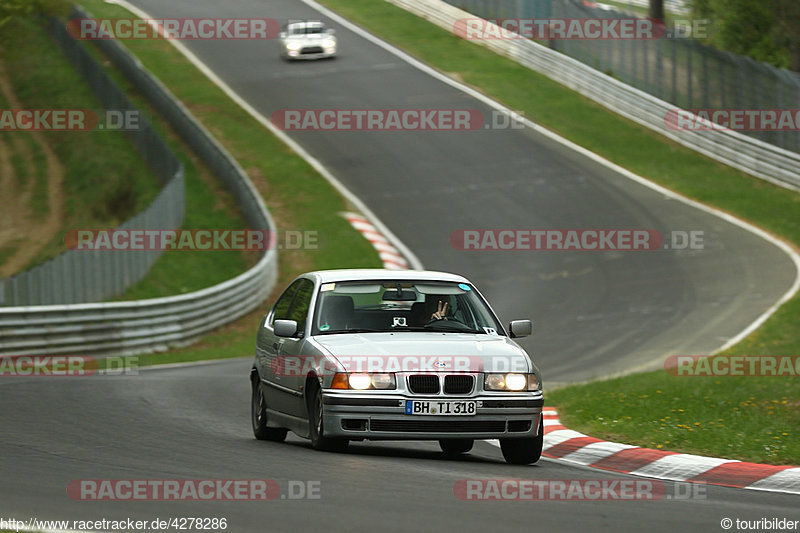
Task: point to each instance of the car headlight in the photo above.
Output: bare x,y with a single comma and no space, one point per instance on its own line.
293,46
359,381
328,43
510,382
362,381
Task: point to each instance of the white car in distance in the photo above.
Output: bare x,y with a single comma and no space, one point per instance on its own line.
307,40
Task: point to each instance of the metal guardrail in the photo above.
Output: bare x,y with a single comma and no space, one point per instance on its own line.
677,67
124,328
81,276
745,153
77,276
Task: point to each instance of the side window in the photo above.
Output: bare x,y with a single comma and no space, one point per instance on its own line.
301,303
284,303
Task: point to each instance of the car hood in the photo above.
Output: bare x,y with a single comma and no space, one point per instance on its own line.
423,351
313,38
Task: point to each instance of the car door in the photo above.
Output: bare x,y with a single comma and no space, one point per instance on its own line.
268,347
294,348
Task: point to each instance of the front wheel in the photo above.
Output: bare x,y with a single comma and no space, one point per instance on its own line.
524,451
317,427
258,412
456,446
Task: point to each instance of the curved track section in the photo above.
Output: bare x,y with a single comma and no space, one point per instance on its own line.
595,313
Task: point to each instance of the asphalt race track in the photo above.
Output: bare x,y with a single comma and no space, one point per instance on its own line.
594,313
193,423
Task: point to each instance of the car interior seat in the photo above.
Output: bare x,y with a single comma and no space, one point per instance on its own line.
337,311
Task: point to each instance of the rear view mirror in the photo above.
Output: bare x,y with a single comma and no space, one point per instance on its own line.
285,328
520,328
397,296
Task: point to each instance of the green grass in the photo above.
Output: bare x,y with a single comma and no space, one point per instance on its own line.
633,401
9,250
106,182
17,161
778,336
39,199
25,173
236,340
747,418
31,166
182,271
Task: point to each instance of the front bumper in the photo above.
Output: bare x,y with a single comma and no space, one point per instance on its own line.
322,53
382,417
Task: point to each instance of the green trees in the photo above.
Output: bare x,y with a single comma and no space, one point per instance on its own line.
766,30
9,9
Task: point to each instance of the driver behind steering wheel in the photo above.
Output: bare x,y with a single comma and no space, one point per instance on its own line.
432,310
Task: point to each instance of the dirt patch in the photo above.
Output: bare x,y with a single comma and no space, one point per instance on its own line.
17,221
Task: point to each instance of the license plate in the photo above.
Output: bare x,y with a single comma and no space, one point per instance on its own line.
441,408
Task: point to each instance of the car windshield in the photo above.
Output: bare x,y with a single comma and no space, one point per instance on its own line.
306,30
382,306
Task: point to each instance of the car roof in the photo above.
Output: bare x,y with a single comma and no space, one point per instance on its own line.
305,24
358,274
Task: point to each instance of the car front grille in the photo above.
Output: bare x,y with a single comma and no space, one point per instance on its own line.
438,426
312,50
458,384
423,384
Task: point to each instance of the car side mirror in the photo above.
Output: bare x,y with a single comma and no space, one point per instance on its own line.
282,35
331,31
520,328
285,328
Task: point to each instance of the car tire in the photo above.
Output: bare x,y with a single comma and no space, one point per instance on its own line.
316,426
258,415
524,451
456,446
